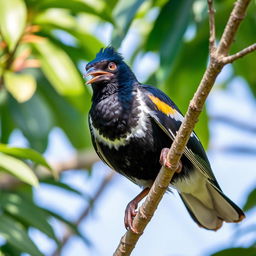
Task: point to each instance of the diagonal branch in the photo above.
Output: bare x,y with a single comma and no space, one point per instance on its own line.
237,15
238,55
146,211
212,37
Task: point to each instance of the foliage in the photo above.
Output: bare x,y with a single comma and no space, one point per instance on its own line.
42,46
236,251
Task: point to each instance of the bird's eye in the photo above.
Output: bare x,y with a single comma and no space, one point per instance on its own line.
112,66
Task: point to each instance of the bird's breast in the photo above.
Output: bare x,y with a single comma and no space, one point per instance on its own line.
114,121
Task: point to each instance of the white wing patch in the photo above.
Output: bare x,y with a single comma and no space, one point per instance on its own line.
177,116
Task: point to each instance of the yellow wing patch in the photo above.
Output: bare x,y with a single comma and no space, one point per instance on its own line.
162,106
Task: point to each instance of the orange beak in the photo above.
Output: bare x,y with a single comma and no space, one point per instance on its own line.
96,75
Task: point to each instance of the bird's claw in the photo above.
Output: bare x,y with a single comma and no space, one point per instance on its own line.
164,160
130,213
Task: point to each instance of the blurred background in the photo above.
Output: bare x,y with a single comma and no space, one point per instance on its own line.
56,197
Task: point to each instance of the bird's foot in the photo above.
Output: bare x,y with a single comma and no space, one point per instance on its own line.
130,211
165,162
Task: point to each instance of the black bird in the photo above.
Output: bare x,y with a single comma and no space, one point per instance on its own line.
131,126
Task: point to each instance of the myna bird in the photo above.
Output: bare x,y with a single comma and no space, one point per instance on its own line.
132,125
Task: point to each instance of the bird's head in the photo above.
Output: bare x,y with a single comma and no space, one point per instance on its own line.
109,68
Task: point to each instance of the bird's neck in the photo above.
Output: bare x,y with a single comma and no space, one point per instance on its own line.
115,115
104,90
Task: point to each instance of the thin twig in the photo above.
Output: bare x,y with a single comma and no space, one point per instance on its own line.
212,37
146,211
69,233
238,55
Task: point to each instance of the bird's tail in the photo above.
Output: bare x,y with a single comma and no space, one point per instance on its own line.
211,215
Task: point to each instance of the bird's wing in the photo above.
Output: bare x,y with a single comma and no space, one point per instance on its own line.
167,115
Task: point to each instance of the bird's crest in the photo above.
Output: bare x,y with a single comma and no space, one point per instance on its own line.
108,53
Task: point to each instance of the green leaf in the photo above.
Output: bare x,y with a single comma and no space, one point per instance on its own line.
68,118
57,17
6,124
27,212
13,232
59,69
18,168
62,73
168,31
74,6
75,53
34,119
26,153
124,13
236,252
251,200
21,86
13,16
9,250
87,43
111,4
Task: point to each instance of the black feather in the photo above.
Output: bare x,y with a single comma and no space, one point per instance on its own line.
107,54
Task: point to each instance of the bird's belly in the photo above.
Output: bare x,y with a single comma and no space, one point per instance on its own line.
136,155
137,160
192,184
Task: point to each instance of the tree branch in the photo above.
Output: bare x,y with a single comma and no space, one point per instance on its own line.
162,182
235,18
238,55
212,37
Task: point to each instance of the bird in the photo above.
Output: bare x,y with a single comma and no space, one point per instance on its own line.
133,125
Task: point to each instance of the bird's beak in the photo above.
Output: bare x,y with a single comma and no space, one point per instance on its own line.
96,74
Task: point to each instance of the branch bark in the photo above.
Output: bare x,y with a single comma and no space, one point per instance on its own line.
146,211
237,15
238,55
212,37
